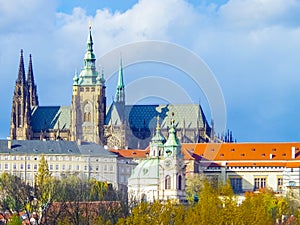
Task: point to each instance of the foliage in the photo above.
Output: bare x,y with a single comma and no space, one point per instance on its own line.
194,184
15,193
15,220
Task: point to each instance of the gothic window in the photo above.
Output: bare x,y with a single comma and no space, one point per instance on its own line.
19,115
179,182
87,113
167,182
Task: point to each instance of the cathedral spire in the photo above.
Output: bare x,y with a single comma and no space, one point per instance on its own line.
21,73
33,98
120,95
89,58
20,118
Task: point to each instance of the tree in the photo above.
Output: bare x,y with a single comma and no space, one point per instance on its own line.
15,220
16,194
194,184
44,188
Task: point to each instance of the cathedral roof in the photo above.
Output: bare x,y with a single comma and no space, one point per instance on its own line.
50,117
141,116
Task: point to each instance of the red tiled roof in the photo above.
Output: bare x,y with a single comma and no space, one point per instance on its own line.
131,153
245,151
234,154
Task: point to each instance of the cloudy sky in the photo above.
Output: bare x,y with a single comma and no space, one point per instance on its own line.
251,46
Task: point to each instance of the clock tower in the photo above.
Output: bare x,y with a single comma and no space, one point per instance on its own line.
173,167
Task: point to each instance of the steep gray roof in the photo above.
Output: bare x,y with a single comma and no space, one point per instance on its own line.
141,116
53,147
50,117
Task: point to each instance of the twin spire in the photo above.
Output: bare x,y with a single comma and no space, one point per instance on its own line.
28,84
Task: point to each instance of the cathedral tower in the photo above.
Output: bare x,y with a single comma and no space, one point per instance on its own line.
173,166
20,128
88,101
33,98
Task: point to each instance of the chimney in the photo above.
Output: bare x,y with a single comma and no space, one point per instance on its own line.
9,143
293,152
271,156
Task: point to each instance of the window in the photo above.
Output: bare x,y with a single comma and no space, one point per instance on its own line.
167,182
21,166
63,167
35,167
179,183
6,166
236,184
87,113
77,167
105,167
14,166
70,167
51,167
279,183
57,167
260,182
28,166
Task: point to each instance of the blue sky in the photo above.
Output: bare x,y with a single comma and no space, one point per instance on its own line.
251,46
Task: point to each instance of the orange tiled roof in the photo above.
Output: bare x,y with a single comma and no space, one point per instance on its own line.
131,153
245,151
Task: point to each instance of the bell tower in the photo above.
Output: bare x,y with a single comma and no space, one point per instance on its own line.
88,108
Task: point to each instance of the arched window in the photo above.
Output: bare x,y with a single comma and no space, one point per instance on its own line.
179,182
144,198
19,113
167,182
87,113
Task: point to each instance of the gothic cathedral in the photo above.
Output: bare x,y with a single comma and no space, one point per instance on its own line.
89,119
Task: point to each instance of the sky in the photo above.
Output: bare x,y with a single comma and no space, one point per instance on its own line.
252,48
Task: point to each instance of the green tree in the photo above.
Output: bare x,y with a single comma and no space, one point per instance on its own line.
229,210
15,220
207,210
194,184
44,188
15,193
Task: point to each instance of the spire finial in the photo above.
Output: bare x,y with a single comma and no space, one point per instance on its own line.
172,120
157,123
90,24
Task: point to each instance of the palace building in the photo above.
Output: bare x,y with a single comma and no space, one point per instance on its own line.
90,119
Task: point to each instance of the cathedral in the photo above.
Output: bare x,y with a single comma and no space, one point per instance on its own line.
90,119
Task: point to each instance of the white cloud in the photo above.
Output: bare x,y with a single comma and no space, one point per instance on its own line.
258,13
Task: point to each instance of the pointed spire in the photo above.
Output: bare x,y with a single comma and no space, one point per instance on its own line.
120,95
89,58
172,138
33,98
30,78
21,73
90,39
158,137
